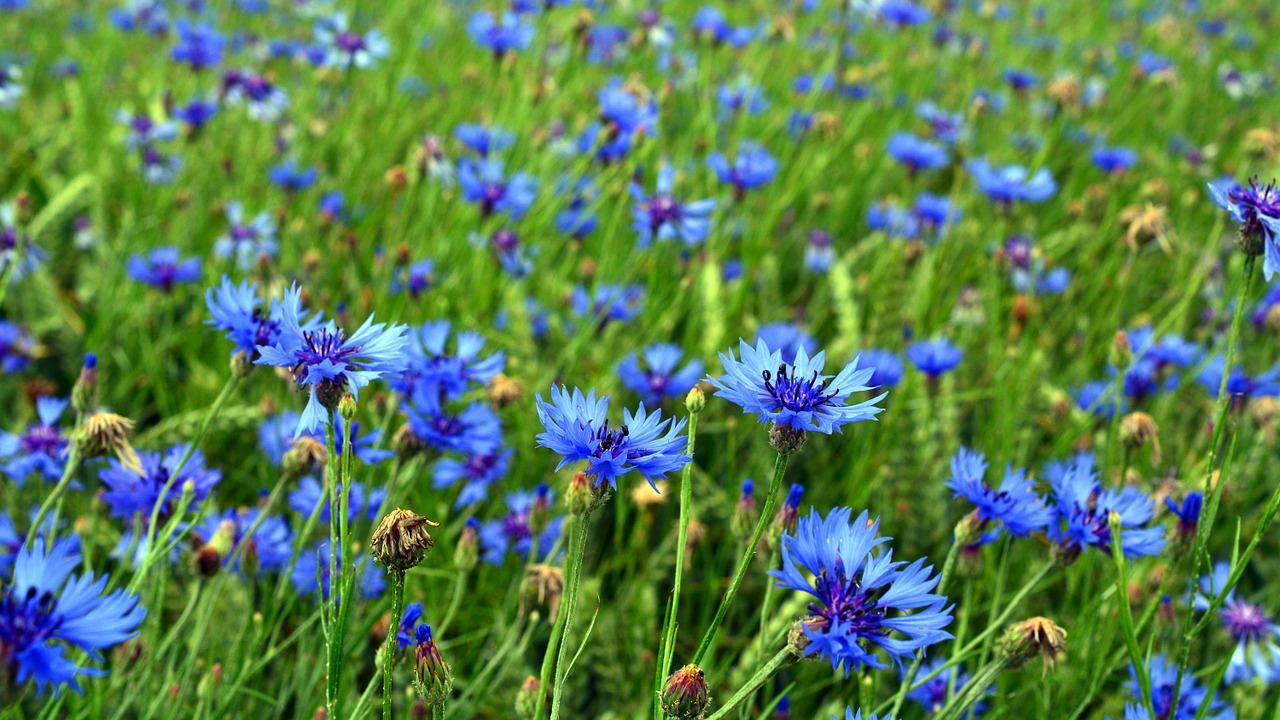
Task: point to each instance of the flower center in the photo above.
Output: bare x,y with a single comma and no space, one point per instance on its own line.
795,393
1246,621
844,602
43,439
25,620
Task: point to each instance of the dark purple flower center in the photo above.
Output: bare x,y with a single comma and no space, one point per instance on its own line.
658,383
142,124
490,195
611,442
25,619
663,209
350,43
1253,201
1246,621
479,465
242,233
8,239
844,603
796,393
321,345
516,526
506,241
43,440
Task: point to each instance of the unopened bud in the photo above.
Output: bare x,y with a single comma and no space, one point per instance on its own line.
305,455
787,517
685,695
347,406
1121,351
209,556
401,540
744,515
84,396
406,444
970,529
466,553
527,699
1036,637
585,495
240,365
696,400
504,391
431,674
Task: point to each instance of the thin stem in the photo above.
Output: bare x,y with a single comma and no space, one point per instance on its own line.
1136,658
389,652
577,551
455,602
686,499
784,657
766,516
333,643
68,473
948,569
972,691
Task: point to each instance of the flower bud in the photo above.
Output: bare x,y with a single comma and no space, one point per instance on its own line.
305,454
1025,640
798,637
1121,351
240,365
504,391
209,556
466,554
431,674
970,529
540,510
543,585
406,444
1138,430
347,406
585,494
401,540
685,695
527,699
696,400
785,439
84,395
105,432
744,515
787,517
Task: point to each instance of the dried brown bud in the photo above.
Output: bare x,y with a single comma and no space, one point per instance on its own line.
543,585
104,433
504,391
1036,636
401,540
1138,430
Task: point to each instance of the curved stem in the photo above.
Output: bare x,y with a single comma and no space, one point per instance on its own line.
68,472
766,516
455,602
784,657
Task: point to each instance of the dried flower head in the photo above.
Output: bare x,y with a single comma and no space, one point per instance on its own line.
105,432
543,585
401,540
1036,636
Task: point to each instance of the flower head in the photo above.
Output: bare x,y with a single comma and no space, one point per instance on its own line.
1007,185
860,596
41,448
509,33
44,609
660,377
342,48
527,521
247,240
796,394
934,357
1014,505
235,310
577,428
128,491
917,153
1163,677
164,269
483,182
664,217
1257,210
753,167
1082,509
270,545
1257,637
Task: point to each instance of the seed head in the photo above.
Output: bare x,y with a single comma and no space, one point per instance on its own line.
401,540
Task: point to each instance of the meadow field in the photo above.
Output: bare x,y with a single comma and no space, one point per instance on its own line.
639,359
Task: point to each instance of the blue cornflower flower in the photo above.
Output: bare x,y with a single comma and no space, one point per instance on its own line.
902,13
199,45
795,394
934,357
163,268
624,118
1188,513
45,609
474,429
932,695
935,212
947,127
331,205
10,86
752,167
416,278
1012,183
40,448
1014,505
851,714
370,580
1240,386
1152,64
659,379
346,49
709,23
128,492
1114,159
578,219
16,246
143,132
609,303
1257,651
328,361
1257,210
247,240
819,255
892,220
477,470
662,216
271,543
741,95
1082,508
886,365
513,534
360,503
429,365
508,34
279,433
263,100
1098,397
11,541
1020,80
158,168
149,15
292,178
483,139
196,113
235,309
16,346
577,429
404,631
917,153
787,338
861,596
484,183
1162,676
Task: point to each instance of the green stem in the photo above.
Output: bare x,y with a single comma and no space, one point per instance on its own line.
766,516
1213,495
686,499
973,690
948,569
577,551
389,658
1136,658
332,641
455,602
68,473
784,657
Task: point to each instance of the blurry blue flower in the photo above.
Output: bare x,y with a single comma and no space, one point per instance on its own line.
512,533
326,360
934,357
44,609
429,365
788,338
271,543
16,246
947,127
708,23
416,278
1009,184
577,429
578,219
279,433
1114,159
484,140
887,368
935,212
346,49
15,347
1188,513
609,303
1083,506
893,221
292,178
753,167
40,448
196,113
902,13
1163,676
235,310
10,86
163,269
1257,210
1151,64
794,394
127,492
819,255
1098,397
916,153
606,43
331,204
473,429
263,100
404,631
863,598
199,45
159,168
477,470
932,695
741,95
247,240
313,564
1014,505
1020,80
1257,652
509,34
1240,387
662,216
143,132
360,503
624,119
659,379
483,183
148,15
